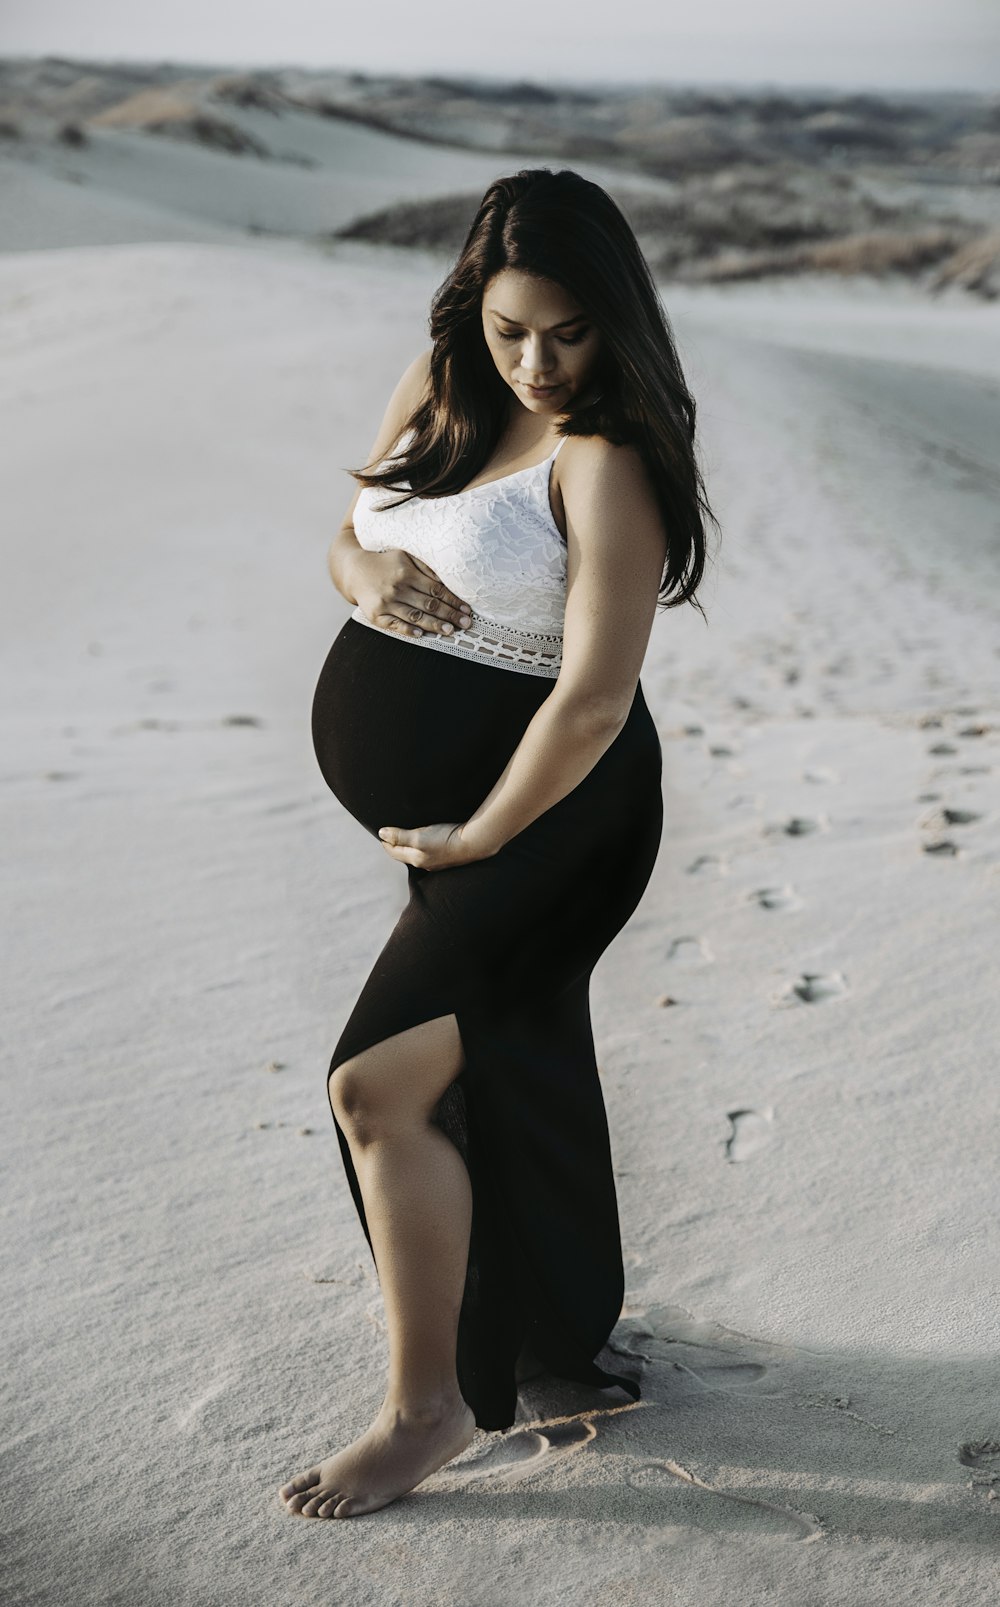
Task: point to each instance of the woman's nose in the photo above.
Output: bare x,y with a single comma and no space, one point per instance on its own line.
536,360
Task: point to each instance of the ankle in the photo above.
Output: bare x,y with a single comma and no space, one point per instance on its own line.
426,1411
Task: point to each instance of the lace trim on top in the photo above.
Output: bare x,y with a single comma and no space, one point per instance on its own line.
485,639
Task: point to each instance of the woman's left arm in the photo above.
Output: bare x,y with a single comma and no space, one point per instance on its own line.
616,548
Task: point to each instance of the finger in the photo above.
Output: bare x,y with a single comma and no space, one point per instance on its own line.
406,856
433,613
401,624
437,587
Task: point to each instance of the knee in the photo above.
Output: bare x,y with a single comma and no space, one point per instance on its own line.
362,1111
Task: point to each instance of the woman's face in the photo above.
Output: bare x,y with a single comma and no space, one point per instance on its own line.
540,339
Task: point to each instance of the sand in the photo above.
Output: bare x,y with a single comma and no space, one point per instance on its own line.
804,1138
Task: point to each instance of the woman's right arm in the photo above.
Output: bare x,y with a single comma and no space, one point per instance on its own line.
394,589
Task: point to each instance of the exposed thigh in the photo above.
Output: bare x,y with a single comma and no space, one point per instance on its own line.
406,1073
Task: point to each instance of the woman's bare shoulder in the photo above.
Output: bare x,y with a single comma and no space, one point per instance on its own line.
589,464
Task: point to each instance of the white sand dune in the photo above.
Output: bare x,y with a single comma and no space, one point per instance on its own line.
201,192
804,1138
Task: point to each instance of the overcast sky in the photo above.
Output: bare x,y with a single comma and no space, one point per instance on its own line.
894,44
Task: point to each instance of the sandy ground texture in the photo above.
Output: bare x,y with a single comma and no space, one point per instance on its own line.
797,1030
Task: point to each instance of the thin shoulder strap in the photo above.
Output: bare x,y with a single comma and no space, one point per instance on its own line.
558,447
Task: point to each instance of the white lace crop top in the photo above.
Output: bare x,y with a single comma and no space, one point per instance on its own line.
497,547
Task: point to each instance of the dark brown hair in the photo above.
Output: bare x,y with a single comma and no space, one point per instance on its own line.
561,226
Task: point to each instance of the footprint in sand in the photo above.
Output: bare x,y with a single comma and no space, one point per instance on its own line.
946,849
776,898
656,1330
690,951
812,987
707,862
941,750
751,1131
732,1378
784,1523
799,825
947,816
983,1457
521,1451
981,1454
975,730
742,800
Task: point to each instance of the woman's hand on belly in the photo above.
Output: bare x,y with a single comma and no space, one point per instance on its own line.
431,847
402,593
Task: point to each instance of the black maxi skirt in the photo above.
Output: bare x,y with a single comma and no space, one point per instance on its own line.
410,736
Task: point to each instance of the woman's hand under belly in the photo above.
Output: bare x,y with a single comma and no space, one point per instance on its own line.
431,847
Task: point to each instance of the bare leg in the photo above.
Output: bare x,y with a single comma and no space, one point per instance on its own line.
418,1204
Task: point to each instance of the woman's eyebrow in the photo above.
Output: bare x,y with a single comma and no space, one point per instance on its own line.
580,316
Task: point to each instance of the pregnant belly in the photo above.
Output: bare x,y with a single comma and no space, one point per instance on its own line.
408,736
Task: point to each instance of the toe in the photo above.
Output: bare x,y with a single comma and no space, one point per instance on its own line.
295,1503
312,1503
305,1481
326,1510
347,1508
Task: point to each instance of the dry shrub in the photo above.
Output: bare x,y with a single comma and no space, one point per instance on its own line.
681,145
838,128
974,266
148,106
213,132
440,224
177,112
979,153
243,89
873,252
892,251
71,134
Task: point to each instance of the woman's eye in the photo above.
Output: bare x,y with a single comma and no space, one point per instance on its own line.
567,340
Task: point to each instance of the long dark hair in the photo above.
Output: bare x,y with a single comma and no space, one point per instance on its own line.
561,226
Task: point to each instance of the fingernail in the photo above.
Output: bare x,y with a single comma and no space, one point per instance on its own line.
447,629
466,619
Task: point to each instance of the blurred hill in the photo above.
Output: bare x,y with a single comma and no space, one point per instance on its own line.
717,186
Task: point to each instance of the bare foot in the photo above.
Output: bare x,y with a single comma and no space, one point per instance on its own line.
389,1458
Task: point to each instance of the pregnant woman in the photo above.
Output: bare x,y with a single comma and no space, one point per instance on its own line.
533,497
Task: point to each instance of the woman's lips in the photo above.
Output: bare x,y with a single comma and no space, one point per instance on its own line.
542,390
